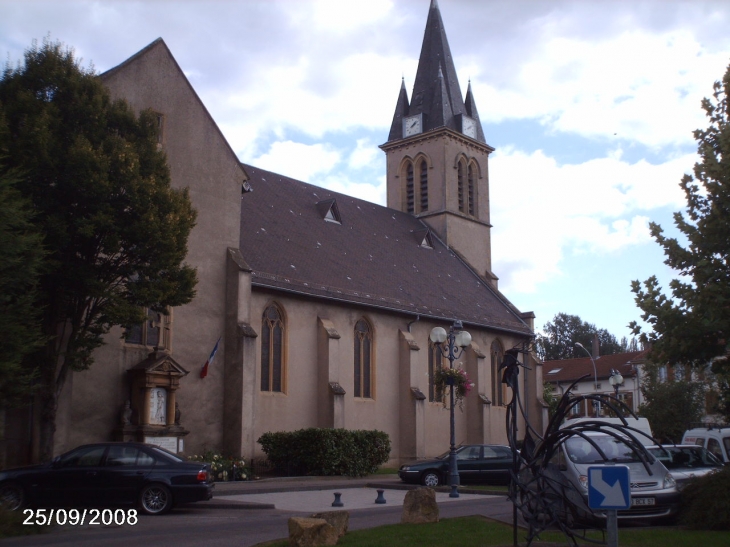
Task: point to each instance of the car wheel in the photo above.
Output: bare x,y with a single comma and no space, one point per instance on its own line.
155,499
431,478
12,497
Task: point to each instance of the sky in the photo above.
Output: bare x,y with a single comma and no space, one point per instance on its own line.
589,104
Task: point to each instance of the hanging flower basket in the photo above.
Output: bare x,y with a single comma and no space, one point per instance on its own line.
456,377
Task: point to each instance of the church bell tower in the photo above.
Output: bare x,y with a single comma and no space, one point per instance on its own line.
437,156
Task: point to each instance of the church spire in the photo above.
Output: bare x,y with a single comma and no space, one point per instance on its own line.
401,111
436,99
471,111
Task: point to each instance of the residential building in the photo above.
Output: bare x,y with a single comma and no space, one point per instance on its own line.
592,375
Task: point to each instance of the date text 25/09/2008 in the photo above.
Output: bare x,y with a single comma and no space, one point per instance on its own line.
80,517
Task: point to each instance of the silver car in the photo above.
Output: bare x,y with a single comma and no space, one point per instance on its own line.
686,461
654,493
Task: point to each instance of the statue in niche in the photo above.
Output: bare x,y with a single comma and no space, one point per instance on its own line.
158,406
126,414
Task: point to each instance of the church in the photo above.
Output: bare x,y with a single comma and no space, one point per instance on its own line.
314,308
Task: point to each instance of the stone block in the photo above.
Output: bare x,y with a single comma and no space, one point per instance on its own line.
420,506
309,532
339,520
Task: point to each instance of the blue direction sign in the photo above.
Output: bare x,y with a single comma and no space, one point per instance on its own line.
609,487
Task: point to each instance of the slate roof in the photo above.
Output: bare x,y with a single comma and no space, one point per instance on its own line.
373,258
568,370
436,91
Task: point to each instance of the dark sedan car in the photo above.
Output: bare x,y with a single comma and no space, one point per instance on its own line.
109,474
477,463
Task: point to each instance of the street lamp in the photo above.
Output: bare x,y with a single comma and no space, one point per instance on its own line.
616,380
452,346
595,376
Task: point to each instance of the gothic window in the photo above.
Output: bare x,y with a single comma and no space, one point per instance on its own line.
415,175
498,389
460,182
466,180
272,349
423,167
410,196
363,359
435,362
155,332
471,176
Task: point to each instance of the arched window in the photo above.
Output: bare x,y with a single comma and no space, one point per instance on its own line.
423,168
497,355
460,185
435,362
272,349
363,359
472,183
410,191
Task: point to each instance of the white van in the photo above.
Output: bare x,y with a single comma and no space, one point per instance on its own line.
714,438
642,424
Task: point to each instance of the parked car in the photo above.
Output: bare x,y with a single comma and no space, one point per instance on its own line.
686,461
109,474
714,438
654,493
477,463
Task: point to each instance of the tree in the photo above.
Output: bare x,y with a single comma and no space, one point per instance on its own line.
565,330
21,252
115,231
692,326
671,405
551,400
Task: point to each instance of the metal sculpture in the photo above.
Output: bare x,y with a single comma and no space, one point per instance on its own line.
541,495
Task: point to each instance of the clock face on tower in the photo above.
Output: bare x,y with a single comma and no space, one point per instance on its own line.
469,126
412,125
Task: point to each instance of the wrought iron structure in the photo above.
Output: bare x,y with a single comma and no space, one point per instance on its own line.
540,493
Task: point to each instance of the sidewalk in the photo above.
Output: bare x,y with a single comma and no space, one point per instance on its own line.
287,493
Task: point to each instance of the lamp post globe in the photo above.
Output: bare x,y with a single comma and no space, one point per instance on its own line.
616,380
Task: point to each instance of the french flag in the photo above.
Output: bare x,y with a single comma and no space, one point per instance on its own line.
204,370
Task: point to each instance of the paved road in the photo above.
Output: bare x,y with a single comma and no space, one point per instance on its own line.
246,519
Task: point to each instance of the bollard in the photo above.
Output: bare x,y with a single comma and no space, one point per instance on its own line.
337,502
380,498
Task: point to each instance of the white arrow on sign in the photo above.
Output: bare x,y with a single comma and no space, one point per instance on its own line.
613,496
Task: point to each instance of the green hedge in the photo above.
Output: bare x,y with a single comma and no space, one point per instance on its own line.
315,451
706,502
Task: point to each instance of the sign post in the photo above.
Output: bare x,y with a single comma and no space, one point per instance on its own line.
609,489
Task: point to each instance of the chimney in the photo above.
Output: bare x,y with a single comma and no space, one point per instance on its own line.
596,354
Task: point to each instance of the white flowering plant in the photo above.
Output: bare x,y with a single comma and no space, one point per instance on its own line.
223,467
457,377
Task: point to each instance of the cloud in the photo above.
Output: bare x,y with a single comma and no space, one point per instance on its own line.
299,161
542,209
364,155
638,84
340,182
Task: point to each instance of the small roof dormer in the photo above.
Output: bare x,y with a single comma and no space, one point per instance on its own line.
329,211
424,238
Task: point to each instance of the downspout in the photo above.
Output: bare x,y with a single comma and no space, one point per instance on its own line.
418,318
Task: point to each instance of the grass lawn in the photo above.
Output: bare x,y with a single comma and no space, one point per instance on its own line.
11,524
481,532
386,471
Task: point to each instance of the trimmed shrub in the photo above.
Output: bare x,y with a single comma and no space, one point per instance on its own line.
706,502
317,451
